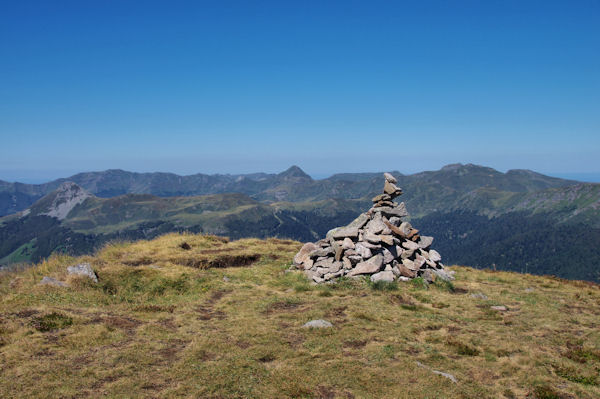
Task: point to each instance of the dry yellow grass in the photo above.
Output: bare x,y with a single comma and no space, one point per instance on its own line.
224,320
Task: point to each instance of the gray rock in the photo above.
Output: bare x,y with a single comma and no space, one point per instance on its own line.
388,256
369,245
402,278
373,265
344,232
363,251
304,253
347,263
410,245
528,290
479,295
372,238
409,264
434,255
322,252
381,197
425,242
383,276
355,259
442,274
386,239
52,281
360,221
376,225
398,211
419,261
405,229
428,276
320,323
499,308
446,375
395,220
389,177
335,267
405,271
83,269
317,279
391,189
347,243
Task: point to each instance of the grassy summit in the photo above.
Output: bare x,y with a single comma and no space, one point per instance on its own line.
199,316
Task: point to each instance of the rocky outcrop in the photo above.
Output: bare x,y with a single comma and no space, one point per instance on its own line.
64,199
378,244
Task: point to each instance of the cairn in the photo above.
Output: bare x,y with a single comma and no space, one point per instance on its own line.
378,244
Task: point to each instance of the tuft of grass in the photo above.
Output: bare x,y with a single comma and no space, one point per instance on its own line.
51,322
462,348
383,285
419,283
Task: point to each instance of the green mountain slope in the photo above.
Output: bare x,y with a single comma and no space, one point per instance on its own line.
431,189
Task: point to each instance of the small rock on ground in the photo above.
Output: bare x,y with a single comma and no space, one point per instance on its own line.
320,323
52,281
83,269
448,376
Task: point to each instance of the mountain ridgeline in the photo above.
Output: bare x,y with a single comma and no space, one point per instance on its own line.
519,220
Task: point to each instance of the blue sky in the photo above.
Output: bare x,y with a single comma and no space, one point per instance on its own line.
234,87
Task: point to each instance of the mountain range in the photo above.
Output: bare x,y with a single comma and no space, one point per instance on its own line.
519,220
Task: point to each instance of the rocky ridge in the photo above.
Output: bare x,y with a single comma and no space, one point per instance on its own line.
378,243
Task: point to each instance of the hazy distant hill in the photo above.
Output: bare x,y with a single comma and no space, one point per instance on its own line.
519,220
429,188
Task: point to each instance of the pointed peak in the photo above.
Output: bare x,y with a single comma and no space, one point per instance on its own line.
295,171
61,201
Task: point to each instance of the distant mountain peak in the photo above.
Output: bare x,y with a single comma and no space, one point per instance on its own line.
294,171
61,201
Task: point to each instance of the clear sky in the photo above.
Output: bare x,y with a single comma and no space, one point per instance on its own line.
235,87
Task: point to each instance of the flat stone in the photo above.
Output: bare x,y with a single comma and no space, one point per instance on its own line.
402,278
405,229
335,267
360,221
445,375
419,261
388,256
383,276
398,211
320,323
372,238
479,295
435,256
405,271
407,253
395,220
410,245
52,281
347,263
344,232
83,269
428,276
370,246
347,243
320,252
355,259
386,239
382,197
373,265
389,177
304,253
363,251
441,273
376,225
307,264
391,189
409,264
425,242
500,308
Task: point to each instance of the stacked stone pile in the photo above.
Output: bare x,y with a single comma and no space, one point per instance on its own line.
378,244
